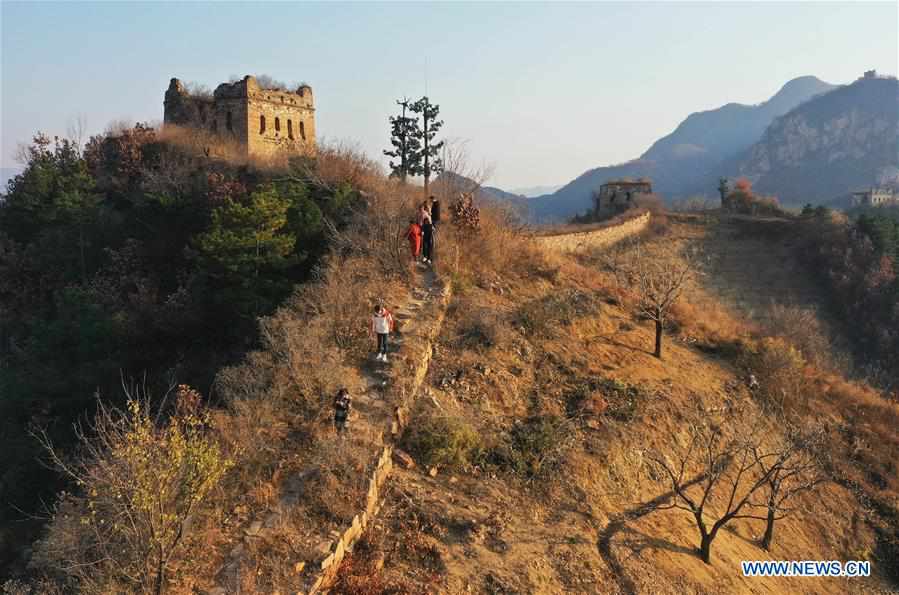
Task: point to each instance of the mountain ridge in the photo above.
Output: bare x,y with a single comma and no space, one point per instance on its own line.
829,146
678,162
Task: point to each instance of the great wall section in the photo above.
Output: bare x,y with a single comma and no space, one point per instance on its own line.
594,238
416,356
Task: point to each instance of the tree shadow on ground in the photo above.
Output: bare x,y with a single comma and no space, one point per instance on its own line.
618,524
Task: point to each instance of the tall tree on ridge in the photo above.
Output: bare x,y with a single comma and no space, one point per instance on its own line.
404,136
428,161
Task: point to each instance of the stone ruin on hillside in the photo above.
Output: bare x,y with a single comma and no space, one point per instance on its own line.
263,122
620,194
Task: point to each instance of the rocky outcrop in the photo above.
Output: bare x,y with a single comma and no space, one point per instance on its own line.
836,143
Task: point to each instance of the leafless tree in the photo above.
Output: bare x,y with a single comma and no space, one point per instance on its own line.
658,278
460,175
77,130
795,469
732,472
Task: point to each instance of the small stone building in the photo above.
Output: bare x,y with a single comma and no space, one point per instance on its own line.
264,122
620,194
875,197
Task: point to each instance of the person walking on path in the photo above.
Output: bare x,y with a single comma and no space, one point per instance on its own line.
342,403
427,232
381,325
413,234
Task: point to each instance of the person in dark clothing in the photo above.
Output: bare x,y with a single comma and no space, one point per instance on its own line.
435,211
427,235
342,403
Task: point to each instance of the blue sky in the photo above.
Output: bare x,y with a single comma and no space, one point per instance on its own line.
541,91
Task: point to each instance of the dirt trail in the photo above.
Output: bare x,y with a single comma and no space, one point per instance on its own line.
373,409
369,426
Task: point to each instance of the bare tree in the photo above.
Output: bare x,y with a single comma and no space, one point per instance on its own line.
659,280
460,175
730,473
795,469
77,131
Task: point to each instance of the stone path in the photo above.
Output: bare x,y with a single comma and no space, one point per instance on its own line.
372,415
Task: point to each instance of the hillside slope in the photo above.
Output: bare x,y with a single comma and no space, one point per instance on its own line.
679,163
560,343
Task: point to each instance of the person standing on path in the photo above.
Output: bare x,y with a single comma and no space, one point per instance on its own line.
342,404
435,211
427,233
413,234
381,325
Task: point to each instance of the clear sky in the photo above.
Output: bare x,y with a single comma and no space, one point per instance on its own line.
541,91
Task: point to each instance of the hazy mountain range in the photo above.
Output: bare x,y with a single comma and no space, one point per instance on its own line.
686,161
532,191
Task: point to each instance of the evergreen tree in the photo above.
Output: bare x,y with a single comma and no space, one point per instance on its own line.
404,136
427,161
247,244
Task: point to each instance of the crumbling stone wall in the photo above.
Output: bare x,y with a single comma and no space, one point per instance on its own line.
573,242
264,122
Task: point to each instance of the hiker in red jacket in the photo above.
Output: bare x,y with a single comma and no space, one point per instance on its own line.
413,234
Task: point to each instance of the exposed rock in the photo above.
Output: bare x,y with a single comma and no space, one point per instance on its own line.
404,459
254,528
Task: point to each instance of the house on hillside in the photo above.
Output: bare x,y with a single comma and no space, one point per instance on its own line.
875,197
620,194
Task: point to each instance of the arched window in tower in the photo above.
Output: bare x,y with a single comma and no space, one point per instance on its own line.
228,123
277,124
302,131
261,124
290,129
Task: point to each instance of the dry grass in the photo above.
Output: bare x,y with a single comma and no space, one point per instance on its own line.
546,531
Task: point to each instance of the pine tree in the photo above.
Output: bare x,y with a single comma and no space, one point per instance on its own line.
427,161
247,246
404,134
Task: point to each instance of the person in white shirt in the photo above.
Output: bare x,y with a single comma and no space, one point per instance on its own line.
381,325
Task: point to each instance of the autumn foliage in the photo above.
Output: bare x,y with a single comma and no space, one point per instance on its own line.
743,200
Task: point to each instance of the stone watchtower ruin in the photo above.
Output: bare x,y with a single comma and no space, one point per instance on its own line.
264,122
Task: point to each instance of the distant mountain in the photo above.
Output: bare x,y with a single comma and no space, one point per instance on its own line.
825,148
680,163
450,184
532,191
501,194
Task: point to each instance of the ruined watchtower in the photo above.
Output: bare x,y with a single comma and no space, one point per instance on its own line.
264,122
620,194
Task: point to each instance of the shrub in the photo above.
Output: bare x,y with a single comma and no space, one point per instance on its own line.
779,369
139,483
482,328
533,446
802,327
544,316
443,440
623,399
